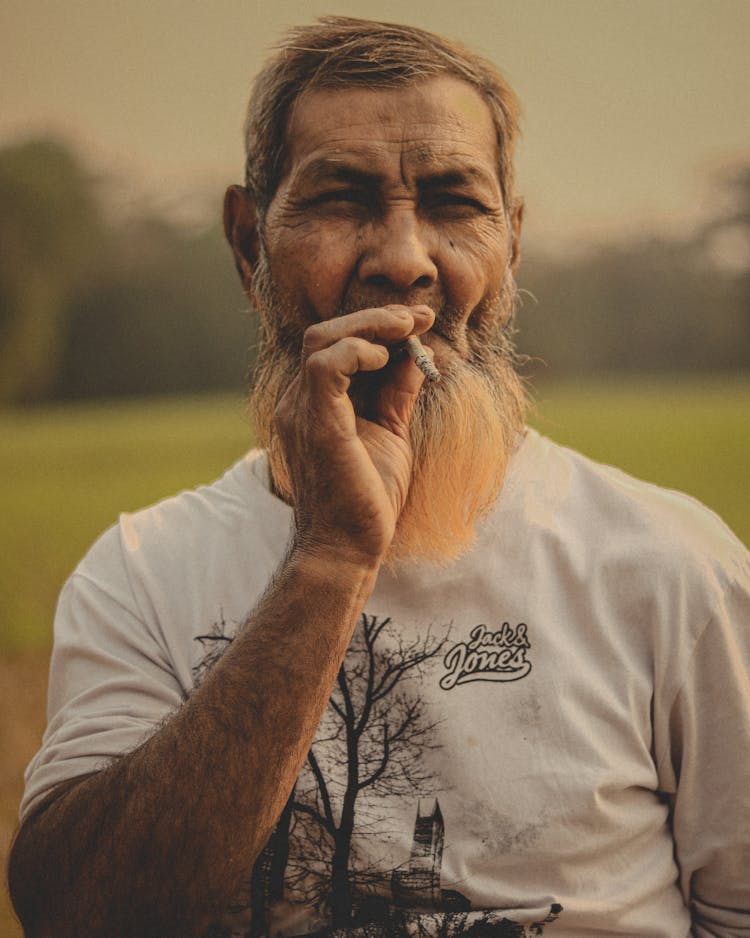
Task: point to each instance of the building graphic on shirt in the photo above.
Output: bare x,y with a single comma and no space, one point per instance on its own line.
419,884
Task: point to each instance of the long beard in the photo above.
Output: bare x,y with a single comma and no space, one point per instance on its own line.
463,429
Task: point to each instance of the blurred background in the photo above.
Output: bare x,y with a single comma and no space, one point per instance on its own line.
124,336
121,127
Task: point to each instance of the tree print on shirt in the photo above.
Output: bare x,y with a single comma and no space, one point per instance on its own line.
369,749
372,738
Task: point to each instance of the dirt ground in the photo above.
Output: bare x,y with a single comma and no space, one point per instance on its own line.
23,694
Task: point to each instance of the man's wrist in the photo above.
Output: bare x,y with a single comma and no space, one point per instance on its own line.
334,568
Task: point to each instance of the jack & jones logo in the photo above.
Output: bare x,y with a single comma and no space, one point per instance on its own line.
488,656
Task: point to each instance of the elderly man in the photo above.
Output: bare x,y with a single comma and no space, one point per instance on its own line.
486,686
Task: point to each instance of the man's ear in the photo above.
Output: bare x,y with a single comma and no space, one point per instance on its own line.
241,230
516,221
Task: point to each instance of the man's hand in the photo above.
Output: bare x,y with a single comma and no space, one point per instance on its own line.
246,730
350,475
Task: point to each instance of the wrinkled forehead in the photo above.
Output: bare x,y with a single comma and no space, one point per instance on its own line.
436,124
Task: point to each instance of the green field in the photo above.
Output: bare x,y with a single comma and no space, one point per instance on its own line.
67,471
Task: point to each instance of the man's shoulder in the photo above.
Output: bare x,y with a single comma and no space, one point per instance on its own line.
215,502
601,508
193,521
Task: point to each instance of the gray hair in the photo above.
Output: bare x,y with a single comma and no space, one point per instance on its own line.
342,52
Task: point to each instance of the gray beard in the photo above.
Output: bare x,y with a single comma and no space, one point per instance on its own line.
463,429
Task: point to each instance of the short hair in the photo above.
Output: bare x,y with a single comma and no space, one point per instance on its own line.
343,52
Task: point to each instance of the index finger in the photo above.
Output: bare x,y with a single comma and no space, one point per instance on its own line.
383,324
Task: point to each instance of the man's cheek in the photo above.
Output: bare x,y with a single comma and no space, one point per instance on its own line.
472,274
320,277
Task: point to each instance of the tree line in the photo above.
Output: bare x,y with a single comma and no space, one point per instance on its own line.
93,304
96,305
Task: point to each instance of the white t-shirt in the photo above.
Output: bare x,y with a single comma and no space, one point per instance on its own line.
552,734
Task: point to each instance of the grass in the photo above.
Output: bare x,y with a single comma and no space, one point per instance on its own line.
67,471
23,682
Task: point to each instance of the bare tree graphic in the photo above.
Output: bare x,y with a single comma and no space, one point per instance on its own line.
373,737
214,643
412,924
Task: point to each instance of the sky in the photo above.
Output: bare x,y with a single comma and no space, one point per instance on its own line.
630,106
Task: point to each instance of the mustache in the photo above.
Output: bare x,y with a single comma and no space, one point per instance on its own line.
358,296
467,329
475,335
449,319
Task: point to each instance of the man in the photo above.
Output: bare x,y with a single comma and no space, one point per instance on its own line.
486,686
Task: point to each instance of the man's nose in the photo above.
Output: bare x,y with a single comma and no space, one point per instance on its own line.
397,254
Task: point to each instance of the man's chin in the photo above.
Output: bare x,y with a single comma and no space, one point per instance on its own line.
463,430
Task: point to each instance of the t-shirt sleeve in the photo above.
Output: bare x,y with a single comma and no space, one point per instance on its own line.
110,683
707,766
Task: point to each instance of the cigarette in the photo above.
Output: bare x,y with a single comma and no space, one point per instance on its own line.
420,358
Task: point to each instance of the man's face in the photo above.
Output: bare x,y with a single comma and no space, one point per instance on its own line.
392,196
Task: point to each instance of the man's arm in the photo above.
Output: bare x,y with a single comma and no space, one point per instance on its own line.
161,841
710,770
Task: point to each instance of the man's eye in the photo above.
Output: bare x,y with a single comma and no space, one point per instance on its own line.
454,202
345,196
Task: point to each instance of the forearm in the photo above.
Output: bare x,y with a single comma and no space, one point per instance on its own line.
161,841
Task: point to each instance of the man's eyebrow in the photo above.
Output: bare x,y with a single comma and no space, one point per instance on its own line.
327,169
324,170
455,177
